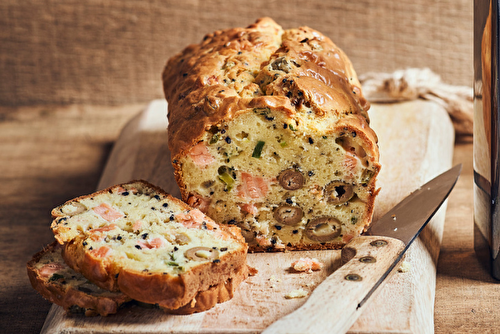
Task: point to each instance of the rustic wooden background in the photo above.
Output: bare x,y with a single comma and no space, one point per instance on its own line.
113,51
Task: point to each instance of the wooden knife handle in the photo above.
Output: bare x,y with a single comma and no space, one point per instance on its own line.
333,306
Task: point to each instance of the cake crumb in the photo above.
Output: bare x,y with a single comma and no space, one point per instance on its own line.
299,293
307,264
404,267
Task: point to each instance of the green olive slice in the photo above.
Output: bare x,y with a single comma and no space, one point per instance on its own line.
323,229
246,231
73,208
338,192
288,215
291,179
202,254
182,238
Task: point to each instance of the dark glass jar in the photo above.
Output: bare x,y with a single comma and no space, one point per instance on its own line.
486,135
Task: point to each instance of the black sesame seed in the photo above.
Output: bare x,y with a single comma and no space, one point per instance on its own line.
223,249
119,237
138,247
84,243
284,80
304,40
239,52
90,248
223,131
176,248
228,140
211,193
311,141
165,205
232,222
289,244
157,197
273,241
125,193
354,133
295,231
171,217
153,208
285,126
144,236
216,261
289,201
277,227
310,173
184,74
214,247
116,276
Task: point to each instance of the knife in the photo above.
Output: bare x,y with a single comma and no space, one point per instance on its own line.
337,302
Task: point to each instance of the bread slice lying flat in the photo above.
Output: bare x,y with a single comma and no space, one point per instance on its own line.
269,130
137,239
58,283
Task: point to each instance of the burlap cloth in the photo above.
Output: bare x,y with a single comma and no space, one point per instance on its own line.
422,83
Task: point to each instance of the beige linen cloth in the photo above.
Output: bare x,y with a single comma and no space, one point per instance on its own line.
421,83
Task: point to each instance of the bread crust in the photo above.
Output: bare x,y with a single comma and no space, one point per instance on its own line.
198,98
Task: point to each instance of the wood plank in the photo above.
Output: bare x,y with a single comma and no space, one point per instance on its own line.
416,143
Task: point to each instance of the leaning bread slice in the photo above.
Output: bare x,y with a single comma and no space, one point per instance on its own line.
137,239
58,283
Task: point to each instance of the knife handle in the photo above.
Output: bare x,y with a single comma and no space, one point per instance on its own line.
333,306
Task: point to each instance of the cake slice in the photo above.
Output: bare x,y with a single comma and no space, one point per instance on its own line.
269,131
137,239
58,283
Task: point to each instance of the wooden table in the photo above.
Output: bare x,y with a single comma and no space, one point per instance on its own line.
51,154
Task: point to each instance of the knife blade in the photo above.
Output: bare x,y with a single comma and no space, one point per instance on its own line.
337,302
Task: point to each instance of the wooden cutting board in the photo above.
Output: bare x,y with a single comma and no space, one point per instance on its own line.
416,143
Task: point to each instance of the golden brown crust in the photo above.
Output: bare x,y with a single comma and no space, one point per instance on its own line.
67,296
214,295
197,83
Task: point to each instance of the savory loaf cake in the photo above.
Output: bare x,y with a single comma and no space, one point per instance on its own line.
58,283
269,131
137,239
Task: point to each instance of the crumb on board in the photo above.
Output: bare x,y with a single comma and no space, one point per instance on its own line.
299,293
404,267
307,264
